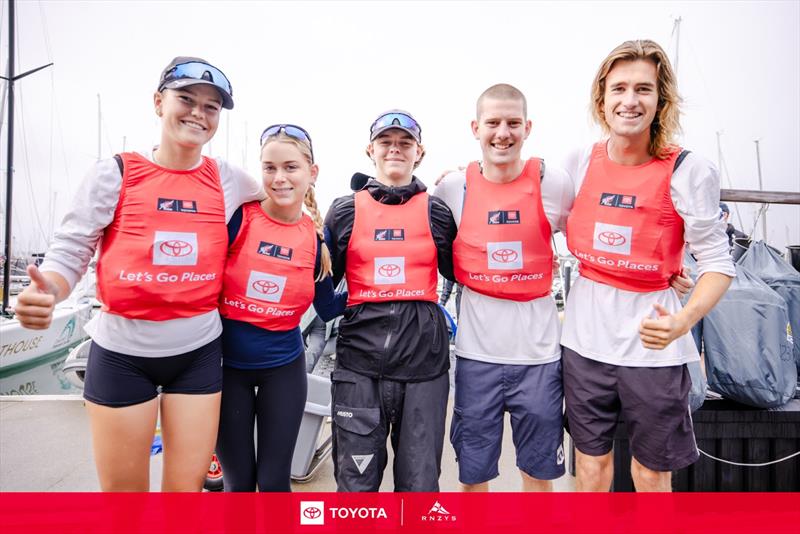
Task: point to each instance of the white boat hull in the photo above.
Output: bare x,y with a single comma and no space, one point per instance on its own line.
20,346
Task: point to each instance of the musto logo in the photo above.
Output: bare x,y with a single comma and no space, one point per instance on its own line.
175,248
312,512
612,238
265,286
390,270
504,255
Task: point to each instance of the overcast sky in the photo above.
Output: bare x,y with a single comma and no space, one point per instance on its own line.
333,66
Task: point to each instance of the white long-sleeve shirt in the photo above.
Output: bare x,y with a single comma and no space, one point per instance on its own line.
75,242
602,322
506,331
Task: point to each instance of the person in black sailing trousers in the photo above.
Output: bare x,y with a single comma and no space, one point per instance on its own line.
392,353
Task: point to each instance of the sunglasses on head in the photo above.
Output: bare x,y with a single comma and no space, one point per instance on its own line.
396,119
291,130
196,70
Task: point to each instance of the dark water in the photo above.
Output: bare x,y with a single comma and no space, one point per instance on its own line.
42,377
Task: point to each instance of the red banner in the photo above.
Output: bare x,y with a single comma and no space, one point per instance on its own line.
399,512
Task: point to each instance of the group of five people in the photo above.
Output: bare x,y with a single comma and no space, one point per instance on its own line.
184,239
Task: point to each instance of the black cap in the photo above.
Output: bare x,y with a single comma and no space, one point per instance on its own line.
223,86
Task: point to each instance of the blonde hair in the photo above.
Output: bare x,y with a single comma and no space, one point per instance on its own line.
325,264
310,203
302,146
666,124
502,91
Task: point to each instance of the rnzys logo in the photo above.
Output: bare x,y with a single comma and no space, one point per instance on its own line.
438,514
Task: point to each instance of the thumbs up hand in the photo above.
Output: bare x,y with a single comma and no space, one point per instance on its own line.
34,308
657,333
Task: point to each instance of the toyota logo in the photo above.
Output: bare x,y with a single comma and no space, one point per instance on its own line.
389,270
176,248
612,239
312,512
505,255
267,287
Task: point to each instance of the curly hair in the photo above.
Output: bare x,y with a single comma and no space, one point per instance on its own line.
666,124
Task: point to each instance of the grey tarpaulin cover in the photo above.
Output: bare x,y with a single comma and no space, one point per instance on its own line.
767,263
748,356
697,394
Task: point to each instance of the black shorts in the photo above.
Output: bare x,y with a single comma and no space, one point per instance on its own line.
117,380
653,402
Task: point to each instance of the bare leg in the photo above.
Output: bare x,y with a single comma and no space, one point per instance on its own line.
480,487
189,431
534,484
121,439
594,473
645,479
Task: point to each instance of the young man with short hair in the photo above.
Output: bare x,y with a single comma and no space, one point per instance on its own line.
507,346
626,340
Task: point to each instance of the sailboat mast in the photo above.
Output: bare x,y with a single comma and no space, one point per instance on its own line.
676,29
12,77
761,188
9,157
99,128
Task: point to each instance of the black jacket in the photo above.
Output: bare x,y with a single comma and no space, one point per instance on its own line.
399,340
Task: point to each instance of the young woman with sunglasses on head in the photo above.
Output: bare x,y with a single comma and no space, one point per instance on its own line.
392,354
277,266
158,218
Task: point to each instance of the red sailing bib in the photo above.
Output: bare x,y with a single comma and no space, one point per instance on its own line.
623,226
391,254
163,254
269,276
503,244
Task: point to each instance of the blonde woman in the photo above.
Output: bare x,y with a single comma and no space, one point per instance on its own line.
278,265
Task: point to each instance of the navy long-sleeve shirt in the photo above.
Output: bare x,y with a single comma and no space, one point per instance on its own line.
246,346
